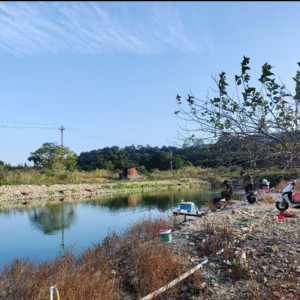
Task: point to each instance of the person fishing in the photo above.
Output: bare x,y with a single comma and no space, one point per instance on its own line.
265,185
248,187
247,182
228,191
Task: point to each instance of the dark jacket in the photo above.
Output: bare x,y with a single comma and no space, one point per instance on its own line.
228,188
247,179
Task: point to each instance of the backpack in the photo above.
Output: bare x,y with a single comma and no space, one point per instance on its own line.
216,200
251,198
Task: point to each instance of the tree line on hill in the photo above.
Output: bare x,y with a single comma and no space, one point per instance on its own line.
145,158
225,152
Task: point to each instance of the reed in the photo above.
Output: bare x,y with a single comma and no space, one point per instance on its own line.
134,263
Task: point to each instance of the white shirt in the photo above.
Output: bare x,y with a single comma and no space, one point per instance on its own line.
266,182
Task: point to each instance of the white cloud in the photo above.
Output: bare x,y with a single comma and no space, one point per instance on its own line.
94,28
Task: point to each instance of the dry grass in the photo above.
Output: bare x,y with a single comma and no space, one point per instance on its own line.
96,175
239,267
188,172
267,198
134,264
255,294
218,205
283,183
75,280
155,266
216,237
32,176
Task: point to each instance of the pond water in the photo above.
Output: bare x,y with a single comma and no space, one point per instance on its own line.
42,233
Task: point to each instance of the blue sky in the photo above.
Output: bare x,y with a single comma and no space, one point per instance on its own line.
109,72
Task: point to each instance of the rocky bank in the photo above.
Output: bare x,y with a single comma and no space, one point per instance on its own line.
14,196
261,253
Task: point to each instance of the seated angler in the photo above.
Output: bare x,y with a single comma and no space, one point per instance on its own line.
265,185
227,191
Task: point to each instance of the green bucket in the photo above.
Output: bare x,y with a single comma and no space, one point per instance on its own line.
165,235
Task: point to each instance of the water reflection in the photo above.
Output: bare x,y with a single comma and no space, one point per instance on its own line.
51,219
133,200
147,200
163,201
36,232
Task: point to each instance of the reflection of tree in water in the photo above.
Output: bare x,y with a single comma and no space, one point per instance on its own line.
52,218
162,201
172,199
9,211
113,203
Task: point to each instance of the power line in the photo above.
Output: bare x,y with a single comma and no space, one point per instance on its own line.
27,127
74,130
31,123
94,135
79,131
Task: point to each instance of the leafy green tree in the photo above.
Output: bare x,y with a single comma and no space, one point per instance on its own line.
146,161
108,165
50,155
262,116
177,163
118,158
162,160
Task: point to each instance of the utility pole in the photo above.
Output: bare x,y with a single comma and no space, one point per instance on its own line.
297,96
171,159
62,141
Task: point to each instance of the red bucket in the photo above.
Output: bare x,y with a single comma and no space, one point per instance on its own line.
287,214
296,197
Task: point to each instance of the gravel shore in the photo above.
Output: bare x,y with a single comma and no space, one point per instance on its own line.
261,253
14,196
